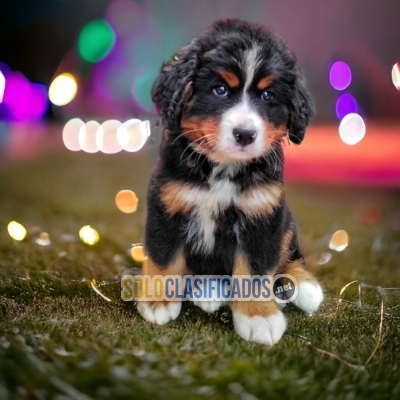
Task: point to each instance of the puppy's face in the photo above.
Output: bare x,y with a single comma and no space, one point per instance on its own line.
244,93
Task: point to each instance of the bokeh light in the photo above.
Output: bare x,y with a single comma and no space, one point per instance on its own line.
43,239
142,90
137,253
89,235
133,134
16,231
96,40
2,86
339,240
340,75
63,89
395,76
352,129
106,137
23,99
71,134
126,201
88,135
346,104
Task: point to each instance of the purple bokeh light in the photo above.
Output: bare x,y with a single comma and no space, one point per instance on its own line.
346,104
340,75
23,99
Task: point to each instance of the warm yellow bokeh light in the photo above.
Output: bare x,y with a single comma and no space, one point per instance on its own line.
138,253
126,201
63,89
339,240
396,75
43,239
89,235
16,231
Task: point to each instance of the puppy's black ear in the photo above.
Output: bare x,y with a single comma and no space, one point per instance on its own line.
173,88
301,112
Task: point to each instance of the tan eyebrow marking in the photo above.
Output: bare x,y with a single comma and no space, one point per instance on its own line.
230,78
265,82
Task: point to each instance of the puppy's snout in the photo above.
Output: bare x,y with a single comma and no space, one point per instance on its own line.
243,136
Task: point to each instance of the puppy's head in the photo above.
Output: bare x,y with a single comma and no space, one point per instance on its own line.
233,92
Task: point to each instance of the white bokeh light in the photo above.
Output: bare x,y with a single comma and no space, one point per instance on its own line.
352,129
133,134
87,137
106,138
71,134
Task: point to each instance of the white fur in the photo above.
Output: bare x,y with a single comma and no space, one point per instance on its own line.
260,329
159,314
209,306
252,60
309,297
243,116
208,203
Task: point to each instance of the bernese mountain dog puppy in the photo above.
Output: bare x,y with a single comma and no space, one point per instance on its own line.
216,204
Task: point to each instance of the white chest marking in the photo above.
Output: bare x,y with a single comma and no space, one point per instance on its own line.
207,203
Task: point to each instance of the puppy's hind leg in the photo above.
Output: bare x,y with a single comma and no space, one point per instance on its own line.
162,312
310,294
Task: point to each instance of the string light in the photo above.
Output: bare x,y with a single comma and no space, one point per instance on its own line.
63,89
89,235
16,231
126,201
352,129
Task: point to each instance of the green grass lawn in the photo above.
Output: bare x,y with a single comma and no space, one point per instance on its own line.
61,340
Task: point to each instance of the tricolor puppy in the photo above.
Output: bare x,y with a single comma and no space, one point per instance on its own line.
216,203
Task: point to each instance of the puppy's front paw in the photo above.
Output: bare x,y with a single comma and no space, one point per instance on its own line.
209,306
159,312
309,296
265,330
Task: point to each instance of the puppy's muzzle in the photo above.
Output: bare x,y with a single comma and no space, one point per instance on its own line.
244,137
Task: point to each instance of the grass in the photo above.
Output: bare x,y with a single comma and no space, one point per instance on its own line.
59,339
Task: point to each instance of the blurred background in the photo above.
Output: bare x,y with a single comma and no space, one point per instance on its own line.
97,60
79,138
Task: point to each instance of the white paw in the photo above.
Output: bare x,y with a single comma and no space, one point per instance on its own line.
209,306
260,329
159,313
309,297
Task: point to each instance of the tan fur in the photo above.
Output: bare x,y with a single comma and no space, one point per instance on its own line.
298,270
285,244
253,208
265,82
250,308
230,78
273,133
170,197
177,267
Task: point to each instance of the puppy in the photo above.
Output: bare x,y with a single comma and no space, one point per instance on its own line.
216,204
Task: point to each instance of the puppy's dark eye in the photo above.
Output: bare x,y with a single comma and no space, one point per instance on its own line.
220,90
266,95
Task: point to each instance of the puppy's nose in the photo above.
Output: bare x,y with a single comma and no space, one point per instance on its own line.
244,136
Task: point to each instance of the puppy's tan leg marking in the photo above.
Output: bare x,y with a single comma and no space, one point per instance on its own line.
161,312
310,293
258,321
